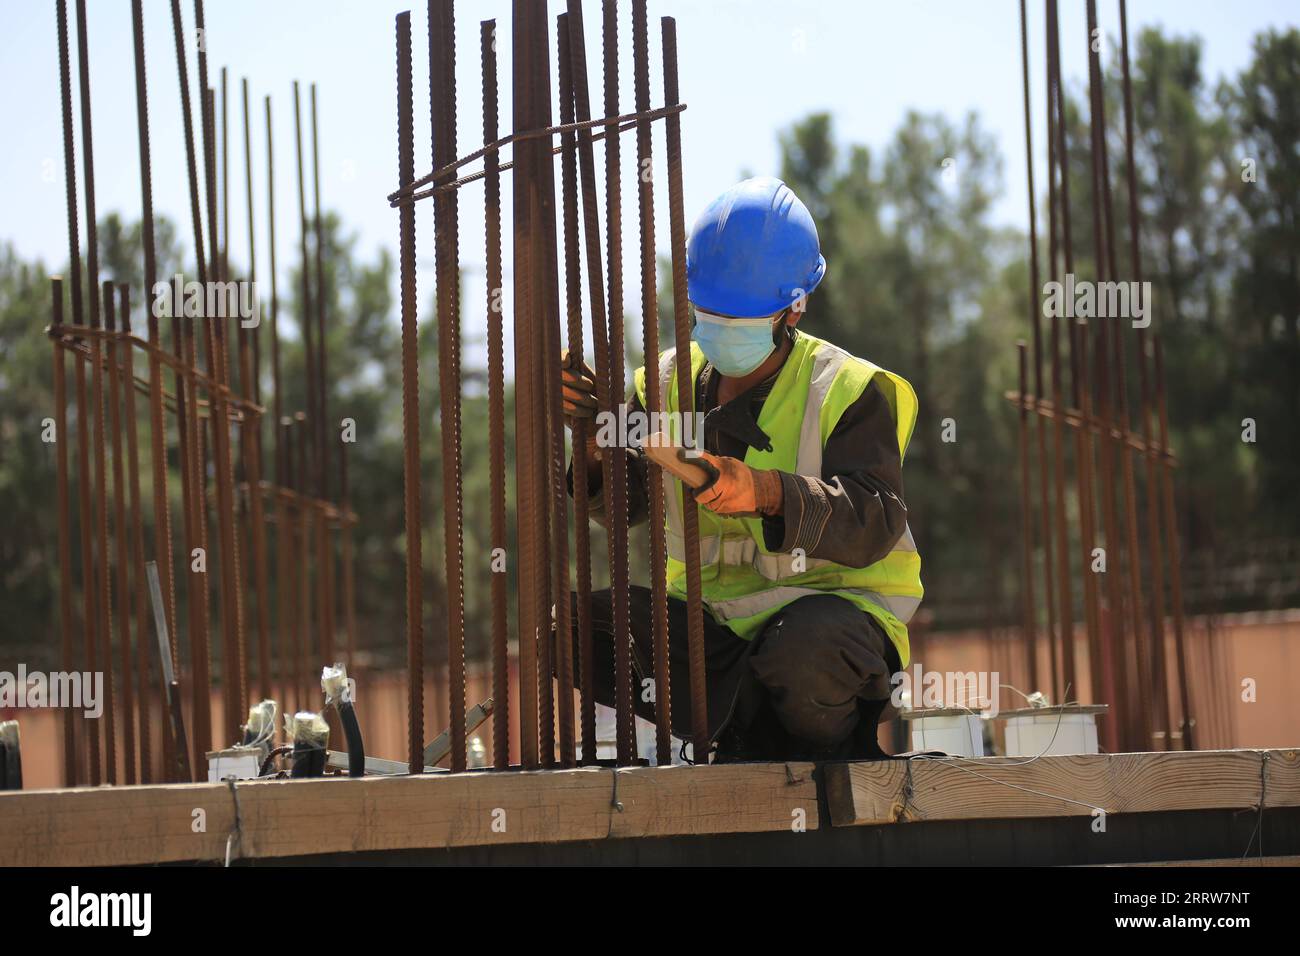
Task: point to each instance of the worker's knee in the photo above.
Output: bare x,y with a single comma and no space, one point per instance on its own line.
817,660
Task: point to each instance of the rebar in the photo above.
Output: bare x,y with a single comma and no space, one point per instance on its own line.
700,738
580,426
442,106
410,403
496,405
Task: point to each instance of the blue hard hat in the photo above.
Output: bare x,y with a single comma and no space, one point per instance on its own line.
753,251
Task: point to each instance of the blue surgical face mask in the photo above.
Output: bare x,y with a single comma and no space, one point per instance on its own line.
735,346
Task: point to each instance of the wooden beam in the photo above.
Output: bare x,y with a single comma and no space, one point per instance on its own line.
105,826
955,788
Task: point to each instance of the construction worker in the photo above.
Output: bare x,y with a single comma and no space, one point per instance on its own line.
809,570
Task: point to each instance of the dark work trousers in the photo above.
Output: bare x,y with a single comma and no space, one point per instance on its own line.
813,683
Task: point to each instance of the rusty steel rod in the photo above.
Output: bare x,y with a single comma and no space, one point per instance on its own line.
1026,521
190,437
700,738
121,537
66,624
1029,635
250,377
595,284
553,660
496,406
103,572
126,353
349,576
157,420
255,393
277,399
442,108
302,560
1128,560
546,376
580,426
234,677
654,400
1054,634
410,403
1128,704
307,312
225,180
1171,547
286,606
328,598
1164,714
526,33
617,492
322,423
70,761
1065,608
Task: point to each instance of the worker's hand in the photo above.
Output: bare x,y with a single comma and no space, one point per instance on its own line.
579,386
736,490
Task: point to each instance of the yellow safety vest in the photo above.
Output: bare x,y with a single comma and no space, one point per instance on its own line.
743,583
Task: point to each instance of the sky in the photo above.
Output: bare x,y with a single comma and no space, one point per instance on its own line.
748,68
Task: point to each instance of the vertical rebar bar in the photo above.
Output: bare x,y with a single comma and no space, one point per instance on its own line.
157,415
126,352
580,426
322,417
685,397
654,400
286,621
70,762
1045,496
526,32
1029,636
302,559
256,391
1164,715
557,702
1171,547
66,624
232,593
616,494
306,314
277,409
190,438
442,108
121,535
496,404
103,579
595,283
1128,715
1133,599
410,402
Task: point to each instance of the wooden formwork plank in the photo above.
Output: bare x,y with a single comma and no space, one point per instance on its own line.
156,824
953,788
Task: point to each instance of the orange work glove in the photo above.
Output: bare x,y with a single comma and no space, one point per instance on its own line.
578,383
736,490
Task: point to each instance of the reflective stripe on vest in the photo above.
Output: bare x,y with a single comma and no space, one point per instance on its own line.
738,550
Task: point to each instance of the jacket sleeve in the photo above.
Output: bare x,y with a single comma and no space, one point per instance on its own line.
853,513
